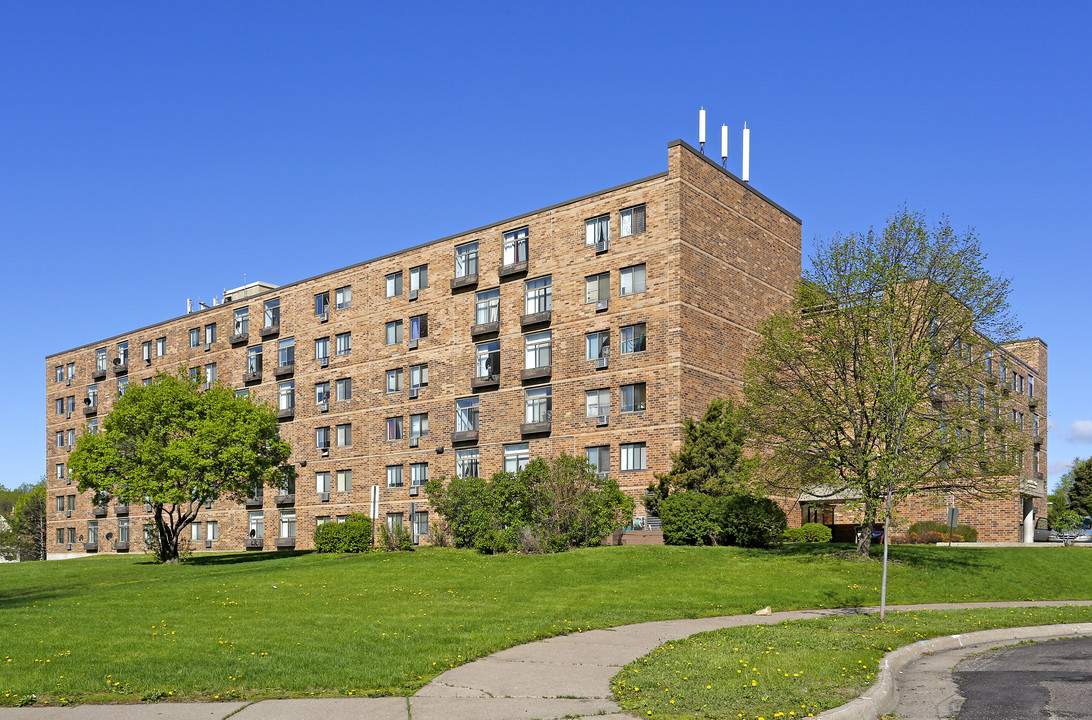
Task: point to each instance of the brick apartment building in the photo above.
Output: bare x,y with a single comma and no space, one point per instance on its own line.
593,327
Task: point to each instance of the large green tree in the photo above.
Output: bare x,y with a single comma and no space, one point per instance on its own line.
880,381
24,538
1059,496
1080,486
173,446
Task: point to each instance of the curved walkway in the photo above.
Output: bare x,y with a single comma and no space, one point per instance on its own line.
562,677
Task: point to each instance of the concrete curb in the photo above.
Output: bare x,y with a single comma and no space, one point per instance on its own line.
880,697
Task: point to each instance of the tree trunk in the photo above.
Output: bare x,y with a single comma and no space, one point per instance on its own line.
864,545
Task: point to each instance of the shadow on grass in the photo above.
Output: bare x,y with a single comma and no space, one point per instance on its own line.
204,560
923,556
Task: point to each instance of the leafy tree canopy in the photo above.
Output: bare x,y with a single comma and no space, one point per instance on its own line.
24,538
1080,486
177,447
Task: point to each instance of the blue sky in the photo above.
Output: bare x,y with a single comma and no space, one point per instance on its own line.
153,152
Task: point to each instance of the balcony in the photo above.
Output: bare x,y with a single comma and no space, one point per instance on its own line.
270,330
511,269
121,546
538,318
89,410
464,436
285,500
286,543
98,511
252,543
250,377
121,509
484,329
485,381
253,502
464,282
536,373
535,428
120,368
284,370
90,547
1037,440
286,413
1033,403
240,338
1032,485
99,374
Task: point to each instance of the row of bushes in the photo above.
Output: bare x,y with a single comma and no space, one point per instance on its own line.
354,535
695,518
809,532
961,533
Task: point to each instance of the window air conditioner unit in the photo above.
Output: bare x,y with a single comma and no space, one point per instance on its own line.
208,505
68,382
601,246
68,513
326,452
413,294
208,543
323,406
147,362
69,547
208,346
414,490
413,344
324,317
413,393
324,497
68,481
601,363
602,420
68,415
323,361
413,442
602,305
206,386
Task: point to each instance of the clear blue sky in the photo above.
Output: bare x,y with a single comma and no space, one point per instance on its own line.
151,152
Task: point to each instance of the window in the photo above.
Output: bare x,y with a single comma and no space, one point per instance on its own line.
322,437
146,381
60,503
487,308
466,463
633,397
418,327
395,522
210,373
92,532
515,246
420,522
597,402
633,456
345,435
160,347
93,395
989,362
93,426
71,403
195,337
516,457
322,348
288,523
286,395
60,406
633,220
146,351
322,304
597,288
256,524
210,333
322,482
59,438
344,343
344,480
72,503
394,284
60,536
344,389
195,531
321,520
599,458
394,380
537,350
254,359
394,476
466,415
272,315
322,393
60,373
1034,424
597,230
488,359
342,518
195,372
71,438
100,359
419,425
286,352
418,277
60,471
394,428
343,297
466,260
633,339
71,536
394,332
241,322
632,280
123,530
538,405
419,376
242,393
123,385
538,295
418,473
1031,387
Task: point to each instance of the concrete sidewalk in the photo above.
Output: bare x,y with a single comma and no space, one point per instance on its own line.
562,677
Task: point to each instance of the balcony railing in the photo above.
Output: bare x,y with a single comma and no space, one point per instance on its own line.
284,370
464,281
535,428
250,377
484,329
536,373
512,269
485,381
270,330
464,436
537,318
252,543
240,338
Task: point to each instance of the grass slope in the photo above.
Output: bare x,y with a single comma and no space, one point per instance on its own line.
295,624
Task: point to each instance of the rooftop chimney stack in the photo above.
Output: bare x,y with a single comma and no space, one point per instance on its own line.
746,154
724,146
701,130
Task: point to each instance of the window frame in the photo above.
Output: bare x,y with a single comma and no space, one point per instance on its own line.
640,270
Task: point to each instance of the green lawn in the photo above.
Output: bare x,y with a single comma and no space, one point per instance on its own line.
793,669
292,624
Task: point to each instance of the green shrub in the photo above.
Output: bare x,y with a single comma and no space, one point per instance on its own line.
750,521
352,536
816,533
394,539
964,532
794,535
691,518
